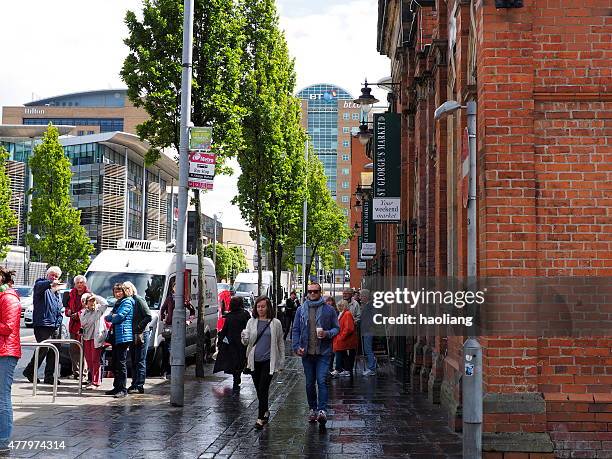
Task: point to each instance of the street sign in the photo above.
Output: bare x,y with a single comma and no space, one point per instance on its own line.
464,183
361,265
298,254
201,170
200,138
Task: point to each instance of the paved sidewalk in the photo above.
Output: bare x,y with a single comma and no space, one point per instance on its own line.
369,417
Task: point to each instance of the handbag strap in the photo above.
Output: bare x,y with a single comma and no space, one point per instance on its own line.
262,332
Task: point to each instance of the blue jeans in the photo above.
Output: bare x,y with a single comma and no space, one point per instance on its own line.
316,368
7,369
369,352
139,359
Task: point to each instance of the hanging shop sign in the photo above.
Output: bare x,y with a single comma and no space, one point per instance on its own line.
201,160
387,168
368,234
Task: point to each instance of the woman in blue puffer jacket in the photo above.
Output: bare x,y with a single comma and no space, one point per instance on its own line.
121,332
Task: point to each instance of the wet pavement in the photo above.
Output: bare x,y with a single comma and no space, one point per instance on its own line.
368,417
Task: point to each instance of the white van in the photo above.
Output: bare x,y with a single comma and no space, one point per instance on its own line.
245,285
151,269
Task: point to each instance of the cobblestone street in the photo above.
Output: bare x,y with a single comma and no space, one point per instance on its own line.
369,417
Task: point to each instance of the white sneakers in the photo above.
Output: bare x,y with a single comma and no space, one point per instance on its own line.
344,373
369,373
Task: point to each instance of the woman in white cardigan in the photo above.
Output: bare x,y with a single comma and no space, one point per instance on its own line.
263,337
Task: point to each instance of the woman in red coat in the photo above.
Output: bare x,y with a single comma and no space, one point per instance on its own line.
345,343
10,352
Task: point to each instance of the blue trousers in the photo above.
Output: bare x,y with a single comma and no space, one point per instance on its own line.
369,352
139,359
7,370
316,368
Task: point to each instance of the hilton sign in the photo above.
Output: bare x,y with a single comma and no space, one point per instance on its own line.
34,111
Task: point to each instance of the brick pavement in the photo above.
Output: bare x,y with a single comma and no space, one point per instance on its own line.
369,417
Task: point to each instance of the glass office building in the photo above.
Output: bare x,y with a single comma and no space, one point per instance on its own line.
321,123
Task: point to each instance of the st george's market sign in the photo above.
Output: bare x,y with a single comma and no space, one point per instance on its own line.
387,168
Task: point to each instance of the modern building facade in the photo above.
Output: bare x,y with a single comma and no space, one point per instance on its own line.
90,112
118,196
329,116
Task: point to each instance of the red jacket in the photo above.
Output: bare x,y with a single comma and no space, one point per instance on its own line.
224,306
347,338
10,315
75,306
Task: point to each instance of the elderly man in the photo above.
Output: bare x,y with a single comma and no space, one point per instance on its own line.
47,318
354,307
74,326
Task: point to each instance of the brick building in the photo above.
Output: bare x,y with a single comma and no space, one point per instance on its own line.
540,75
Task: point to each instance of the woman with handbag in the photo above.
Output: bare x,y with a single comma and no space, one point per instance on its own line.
232,353
94,334
121,320
263,337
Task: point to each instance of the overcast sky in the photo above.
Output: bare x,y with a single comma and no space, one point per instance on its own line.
64,46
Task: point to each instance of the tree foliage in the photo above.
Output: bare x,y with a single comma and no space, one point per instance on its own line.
271,160
62,240
152,72
8,219
326,226
230,260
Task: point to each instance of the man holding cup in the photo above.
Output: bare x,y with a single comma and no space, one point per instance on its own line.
314,327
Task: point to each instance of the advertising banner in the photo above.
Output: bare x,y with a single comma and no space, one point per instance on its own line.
201,170
387,168
201,160
200,138
368,233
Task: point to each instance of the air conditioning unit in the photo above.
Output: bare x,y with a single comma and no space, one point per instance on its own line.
146,246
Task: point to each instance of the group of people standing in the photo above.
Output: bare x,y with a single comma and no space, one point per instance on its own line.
125,327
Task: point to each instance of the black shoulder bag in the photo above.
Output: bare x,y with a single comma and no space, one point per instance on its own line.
247,370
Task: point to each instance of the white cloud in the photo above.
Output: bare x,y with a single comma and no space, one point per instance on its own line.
76,45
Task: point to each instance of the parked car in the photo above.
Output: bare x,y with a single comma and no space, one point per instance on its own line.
25,299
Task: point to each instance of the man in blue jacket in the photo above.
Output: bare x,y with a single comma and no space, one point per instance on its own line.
314,327
46,318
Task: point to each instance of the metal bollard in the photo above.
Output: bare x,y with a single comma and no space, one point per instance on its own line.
78,343
53,348
472,399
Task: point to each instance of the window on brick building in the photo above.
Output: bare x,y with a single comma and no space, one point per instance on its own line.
345,198
345,157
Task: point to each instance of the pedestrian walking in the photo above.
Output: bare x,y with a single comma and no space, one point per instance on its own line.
120,337
367,335
142,317
10,352
72,311
46,319
291,305
346,342
166,313
265,352
232,353
94,335
314,327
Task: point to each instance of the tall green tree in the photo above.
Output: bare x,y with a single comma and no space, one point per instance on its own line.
326,225
152,72
271,160
8,219
62,240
